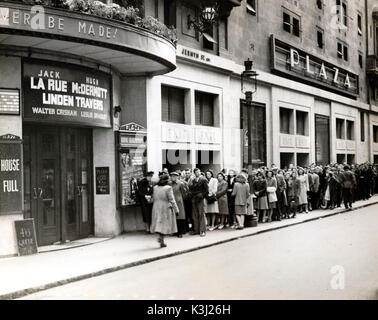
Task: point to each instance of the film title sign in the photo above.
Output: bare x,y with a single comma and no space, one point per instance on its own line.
298,64
10,175
56,93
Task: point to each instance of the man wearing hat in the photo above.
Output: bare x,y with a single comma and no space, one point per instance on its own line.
348,183
179,193
145,188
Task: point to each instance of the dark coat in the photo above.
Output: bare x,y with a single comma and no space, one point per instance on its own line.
222,198
259,188
198,189
145,188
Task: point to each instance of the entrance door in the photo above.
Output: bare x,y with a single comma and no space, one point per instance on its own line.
77,182
322,140
58,181
42,164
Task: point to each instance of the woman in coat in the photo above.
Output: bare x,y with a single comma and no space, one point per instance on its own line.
302,189
271,188
211,208
179,192
222,199
241,194
259,189
292,194
164,210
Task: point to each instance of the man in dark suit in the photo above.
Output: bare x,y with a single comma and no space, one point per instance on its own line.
198,189
145,189
231,199
348,182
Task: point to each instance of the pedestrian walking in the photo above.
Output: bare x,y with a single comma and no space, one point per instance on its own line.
164,210
241,194
198,189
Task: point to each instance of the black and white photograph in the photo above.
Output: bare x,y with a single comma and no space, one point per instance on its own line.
202,151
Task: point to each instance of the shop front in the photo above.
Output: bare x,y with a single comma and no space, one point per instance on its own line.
62,91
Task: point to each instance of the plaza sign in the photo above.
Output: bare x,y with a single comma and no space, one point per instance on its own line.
299,65
56,93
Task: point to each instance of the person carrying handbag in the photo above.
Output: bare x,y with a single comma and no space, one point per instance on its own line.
271,188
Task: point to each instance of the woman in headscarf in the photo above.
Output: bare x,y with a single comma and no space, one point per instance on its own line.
164,210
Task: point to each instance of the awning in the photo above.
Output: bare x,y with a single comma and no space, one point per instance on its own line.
128,49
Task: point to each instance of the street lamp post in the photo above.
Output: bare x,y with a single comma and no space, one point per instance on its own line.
249,75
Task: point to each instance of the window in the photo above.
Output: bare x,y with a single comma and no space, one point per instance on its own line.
319,3
207,37
286,22
342,11
292,23
251,7
360,60
173,104
350,130
296,27
359,24
170,13
340,132
340,158
302,123
342,51
204,109
286,121
362,125
320,38
375,133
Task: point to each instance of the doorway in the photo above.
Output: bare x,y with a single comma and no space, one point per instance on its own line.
322,140
58,182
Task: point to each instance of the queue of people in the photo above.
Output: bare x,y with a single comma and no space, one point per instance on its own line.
197,202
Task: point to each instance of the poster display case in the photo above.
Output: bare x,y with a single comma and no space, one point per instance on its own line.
132,166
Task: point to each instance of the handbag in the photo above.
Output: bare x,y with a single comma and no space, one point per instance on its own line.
211,198
272,197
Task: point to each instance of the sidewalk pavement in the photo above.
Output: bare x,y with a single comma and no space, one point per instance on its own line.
20,276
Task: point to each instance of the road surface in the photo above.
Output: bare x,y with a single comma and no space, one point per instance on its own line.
331,258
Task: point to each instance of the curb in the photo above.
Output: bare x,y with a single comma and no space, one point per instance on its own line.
25,292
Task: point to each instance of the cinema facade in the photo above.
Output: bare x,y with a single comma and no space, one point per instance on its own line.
61,92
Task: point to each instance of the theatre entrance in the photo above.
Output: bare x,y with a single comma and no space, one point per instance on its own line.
58,182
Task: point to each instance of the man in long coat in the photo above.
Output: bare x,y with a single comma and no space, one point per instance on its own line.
179,193
145,189
198,189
